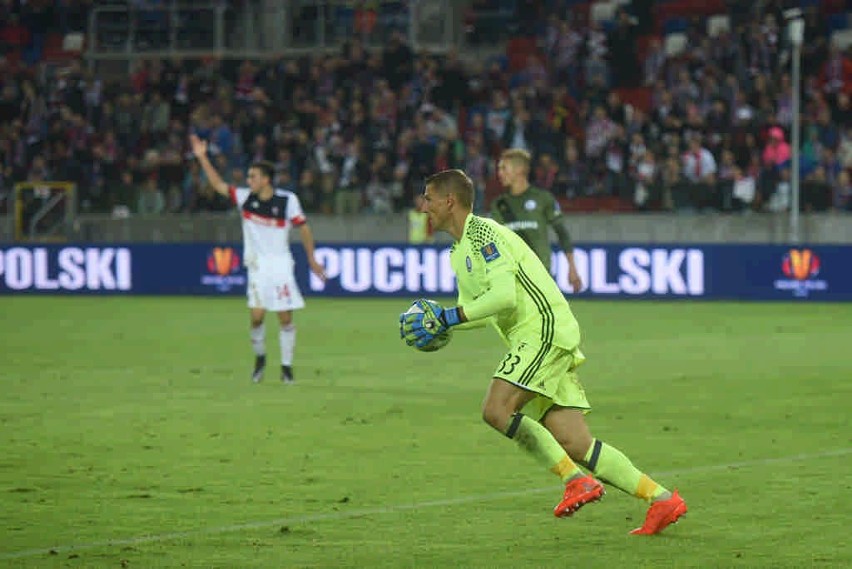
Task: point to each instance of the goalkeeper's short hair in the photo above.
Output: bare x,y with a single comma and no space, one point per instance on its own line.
453,182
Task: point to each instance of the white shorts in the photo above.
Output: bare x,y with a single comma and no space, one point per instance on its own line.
274,288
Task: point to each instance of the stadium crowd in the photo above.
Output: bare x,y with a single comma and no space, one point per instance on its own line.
358,130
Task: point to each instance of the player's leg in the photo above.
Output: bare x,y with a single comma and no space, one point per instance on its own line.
257,333
569,427
285,298
515,387
287,341
501,409
541,369
257,293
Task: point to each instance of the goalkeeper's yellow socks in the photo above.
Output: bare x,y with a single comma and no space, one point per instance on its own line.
612,466
537,441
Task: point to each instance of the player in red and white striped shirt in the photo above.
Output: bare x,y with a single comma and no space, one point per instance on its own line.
267,215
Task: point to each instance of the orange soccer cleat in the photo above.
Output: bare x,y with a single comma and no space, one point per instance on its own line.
578,493
661,515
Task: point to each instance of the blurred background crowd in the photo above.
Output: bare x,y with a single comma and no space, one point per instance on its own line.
637,106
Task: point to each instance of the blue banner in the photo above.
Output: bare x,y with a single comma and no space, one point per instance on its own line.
747,272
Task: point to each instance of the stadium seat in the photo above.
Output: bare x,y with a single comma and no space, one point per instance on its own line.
718,24
675,44
581,13
686,9
643,44
834,6
519,49
589,204
675,26
837,22
637,97
603,11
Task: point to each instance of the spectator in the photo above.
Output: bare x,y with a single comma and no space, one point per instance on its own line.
123,195
616,160
151,200
674,193
777,152
622,51
699,169
844,153
599,131
779,200
842,195
546,170
816,191
572,175
836,74
645,173
729,173
744,191
655,61
354,174
305,112
379,191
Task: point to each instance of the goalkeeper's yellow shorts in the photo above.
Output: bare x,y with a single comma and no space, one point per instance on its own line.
549,371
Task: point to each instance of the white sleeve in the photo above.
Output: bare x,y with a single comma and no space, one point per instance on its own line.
238,195
294,211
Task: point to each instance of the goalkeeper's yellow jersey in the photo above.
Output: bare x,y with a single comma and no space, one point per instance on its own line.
501,279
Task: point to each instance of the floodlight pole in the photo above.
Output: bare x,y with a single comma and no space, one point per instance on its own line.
797,32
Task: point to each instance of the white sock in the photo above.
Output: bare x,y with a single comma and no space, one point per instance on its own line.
258,340
287,338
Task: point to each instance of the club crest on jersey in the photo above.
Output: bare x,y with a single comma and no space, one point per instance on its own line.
468,263
490,252
274,210
255,204
529,205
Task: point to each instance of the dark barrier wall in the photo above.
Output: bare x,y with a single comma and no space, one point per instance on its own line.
748,272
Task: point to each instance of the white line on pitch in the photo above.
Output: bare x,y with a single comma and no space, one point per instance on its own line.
386,509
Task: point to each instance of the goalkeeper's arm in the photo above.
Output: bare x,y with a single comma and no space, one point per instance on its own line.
500,296
472,324
421,327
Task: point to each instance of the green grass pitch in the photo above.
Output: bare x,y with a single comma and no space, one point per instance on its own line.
131,436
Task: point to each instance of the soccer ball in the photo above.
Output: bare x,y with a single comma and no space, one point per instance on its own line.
438,341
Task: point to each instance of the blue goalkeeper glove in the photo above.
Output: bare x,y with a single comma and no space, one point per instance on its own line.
419,328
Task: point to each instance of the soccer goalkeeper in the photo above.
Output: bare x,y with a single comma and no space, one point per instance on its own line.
535,396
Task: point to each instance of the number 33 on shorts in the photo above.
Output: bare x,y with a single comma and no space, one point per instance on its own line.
517,365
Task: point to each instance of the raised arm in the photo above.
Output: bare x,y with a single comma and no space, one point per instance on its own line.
199,149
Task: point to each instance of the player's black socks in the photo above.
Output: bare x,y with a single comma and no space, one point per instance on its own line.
259,366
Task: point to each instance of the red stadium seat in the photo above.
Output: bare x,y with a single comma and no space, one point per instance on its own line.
638,97
833,6
643,44
518,50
